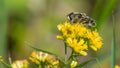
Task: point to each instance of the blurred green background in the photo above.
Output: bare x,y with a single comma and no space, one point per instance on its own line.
35,21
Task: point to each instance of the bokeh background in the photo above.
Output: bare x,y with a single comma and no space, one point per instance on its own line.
35,21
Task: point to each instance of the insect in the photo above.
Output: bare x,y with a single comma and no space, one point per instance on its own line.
81,18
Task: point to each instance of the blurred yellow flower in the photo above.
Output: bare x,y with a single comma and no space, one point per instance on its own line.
79,37
117,66
41,57
73,64
59,37
20,64
1,59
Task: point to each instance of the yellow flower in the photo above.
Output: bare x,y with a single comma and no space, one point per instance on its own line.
59,37
73,64
79,37
83,53
78,47
117,66
80,29
95,40
41,57
35,57
20,64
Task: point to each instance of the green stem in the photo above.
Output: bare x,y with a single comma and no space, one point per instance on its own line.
7,65
65,51
113,44
10,60
3,28
71,55
65,47
97,60
39,66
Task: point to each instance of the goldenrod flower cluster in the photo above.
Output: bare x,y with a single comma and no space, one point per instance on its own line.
79,37
41,58
20,64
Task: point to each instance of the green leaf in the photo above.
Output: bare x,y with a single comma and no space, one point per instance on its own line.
58,57
107,7
84,63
